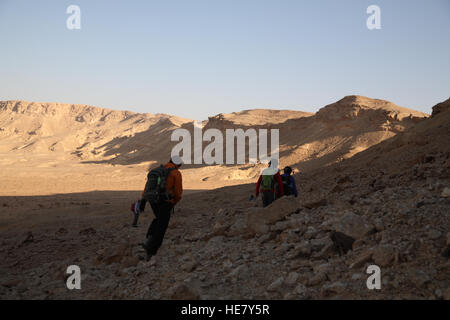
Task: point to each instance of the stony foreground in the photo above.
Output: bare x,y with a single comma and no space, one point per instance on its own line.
219,245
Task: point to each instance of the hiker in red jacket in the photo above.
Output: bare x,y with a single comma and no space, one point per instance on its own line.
270,184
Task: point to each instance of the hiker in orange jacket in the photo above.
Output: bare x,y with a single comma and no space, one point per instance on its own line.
164,208
270,184
174,183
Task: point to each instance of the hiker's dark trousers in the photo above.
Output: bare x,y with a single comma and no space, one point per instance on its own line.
267,198
158,226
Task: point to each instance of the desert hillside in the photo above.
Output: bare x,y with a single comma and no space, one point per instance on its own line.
48,143
78,131
391,200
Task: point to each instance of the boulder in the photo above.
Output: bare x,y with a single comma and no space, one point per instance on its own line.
354,226
240,225
301,250
445,193
240,272
361,259
87,232
434,234
383,255
341,242
291,279
130,261
189,266
183,291
301,291
330,289
317,279
276,285
419,277
446,294
260,219
441,107
319,244
316,204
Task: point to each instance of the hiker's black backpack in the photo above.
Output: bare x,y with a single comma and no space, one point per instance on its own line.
155,188
287,185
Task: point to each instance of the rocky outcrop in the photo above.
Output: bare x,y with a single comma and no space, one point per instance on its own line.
441,107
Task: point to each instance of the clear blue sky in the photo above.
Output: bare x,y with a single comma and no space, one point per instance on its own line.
197,58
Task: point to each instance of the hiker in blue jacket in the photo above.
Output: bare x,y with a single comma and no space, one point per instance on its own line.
290,188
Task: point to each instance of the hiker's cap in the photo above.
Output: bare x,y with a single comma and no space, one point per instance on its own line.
177,160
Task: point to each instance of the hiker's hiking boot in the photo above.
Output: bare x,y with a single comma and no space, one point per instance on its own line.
148,257
146,246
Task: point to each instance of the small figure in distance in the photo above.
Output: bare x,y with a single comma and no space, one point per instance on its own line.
289,185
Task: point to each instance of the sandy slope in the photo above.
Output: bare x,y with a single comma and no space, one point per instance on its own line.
57,146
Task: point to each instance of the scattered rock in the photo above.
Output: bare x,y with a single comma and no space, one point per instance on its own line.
291,279
259,219
62,231
239,272
301,291
357,276
342,242
316,204
88,232
11,283
336,189
362,259
330,289
130,261
304,249
183,291
383,255
189,266
317,279
434,234
419,278
319,244
445,193
379,226
354,226
29,238
276,285
446,294
266,237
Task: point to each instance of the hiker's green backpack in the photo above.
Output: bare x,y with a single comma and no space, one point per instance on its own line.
267,182
155,188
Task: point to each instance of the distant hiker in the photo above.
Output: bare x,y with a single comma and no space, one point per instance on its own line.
138,207
270,184
135,209
289,186
163,190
